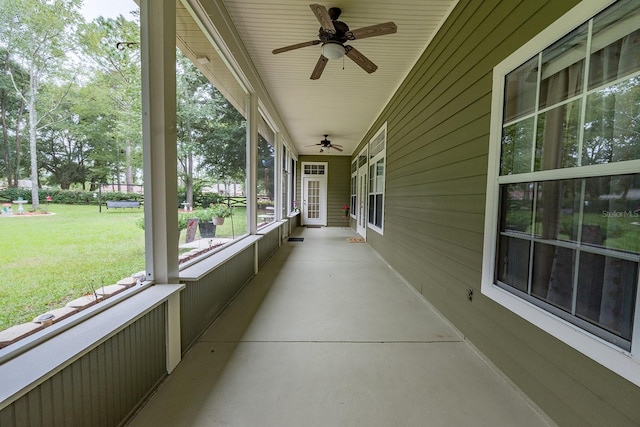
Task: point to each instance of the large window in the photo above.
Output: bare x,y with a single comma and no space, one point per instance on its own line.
71,140
563,209
377,152
266,174
211,142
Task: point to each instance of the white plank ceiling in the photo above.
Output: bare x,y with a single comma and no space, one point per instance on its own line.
345,101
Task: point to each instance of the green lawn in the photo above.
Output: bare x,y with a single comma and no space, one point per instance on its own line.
49,260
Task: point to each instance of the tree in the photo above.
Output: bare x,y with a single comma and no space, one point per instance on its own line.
63,148
224,149
211,132
193,107
11,117
117,74
38,34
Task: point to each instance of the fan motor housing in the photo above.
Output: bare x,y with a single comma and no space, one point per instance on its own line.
340,35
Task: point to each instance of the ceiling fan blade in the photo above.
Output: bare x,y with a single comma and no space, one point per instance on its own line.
317,71
360,59
322,15
372,31
337,148
296,46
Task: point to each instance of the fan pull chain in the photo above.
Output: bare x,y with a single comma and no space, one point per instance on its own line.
343,62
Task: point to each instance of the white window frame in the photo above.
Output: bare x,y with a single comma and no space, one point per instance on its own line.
624,363
381,155
353,198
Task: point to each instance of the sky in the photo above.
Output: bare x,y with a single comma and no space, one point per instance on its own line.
91,9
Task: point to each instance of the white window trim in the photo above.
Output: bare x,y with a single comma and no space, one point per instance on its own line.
353,209
373,161
625,364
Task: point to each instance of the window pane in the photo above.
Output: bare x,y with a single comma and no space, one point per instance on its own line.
558,210
354,192
552,275
612,124
212,147
379,205
513,262
266,178
611,213
372,208
557,137
372,178
61,244
379,184
517,143
516,207
606,292
563,68
615,45
377,145
520,90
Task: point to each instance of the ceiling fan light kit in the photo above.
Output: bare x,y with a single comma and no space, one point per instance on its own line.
332,50
333,35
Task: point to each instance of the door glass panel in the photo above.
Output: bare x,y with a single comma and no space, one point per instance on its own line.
313,200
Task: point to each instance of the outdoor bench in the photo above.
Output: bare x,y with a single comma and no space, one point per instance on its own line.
122,204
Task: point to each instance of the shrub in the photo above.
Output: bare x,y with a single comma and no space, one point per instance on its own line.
67,197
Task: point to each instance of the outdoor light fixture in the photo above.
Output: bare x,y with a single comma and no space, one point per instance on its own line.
202,60
332,50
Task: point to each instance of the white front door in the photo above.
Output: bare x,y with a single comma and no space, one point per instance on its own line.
362,195
314,195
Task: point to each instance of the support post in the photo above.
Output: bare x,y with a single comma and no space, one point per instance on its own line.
158,52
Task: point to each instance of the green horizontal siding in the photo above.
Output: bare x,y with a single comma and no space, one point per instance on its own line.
438,139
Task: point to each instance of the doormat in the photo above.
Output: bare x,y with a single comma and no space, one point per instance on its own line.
313,226
296,239
355,240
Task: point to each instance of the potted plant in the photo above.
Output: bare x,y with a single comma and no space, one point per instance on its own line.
183,219
205,225
219,212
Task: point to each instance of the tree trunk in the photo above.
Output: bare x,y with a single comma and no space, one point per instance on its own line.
129,168
18,151
5,136
3,114
33,123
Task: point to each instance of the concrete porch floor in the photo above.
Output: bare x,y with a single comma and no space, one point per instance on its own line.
327,335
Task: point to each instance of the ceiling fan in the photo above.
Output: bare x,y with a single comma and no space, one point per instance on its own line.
333,35
325,144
